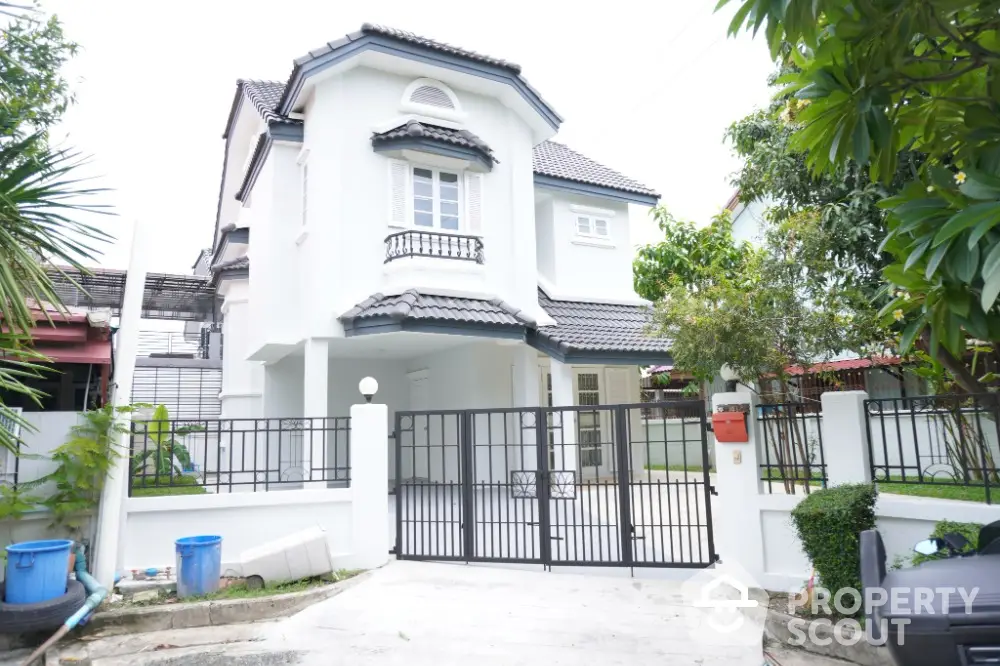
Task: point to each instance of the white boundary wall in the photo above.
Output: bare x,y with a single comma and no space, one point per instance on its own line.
355,519
755,530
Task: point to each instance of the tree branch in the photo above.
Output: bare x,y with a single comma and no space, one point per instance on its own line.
956,367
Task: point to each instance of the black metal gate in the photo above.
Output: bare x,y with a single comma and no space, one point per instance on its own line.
602,485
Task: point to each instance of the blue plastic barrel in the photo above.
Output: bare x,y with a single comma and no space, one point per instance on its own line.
37,571
199,565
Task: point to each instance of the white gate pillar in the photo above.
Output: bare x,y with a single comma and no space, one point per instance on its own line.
315,406
565,436
369,499
845,437
738,532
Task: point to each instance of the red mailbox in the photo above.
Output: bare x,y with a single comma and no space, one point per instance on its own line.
730,426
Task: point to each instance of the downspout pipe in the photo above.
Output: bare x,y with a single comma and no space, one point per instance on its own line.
95,595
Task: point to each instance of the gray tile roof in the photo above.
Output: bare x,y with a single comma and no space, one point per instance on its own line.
405,36
585,326
232,264
265,95
559,161
418,130
412,304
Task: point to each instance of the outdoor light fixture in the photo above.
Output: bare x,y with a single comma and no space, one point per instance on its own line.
729,376
368,387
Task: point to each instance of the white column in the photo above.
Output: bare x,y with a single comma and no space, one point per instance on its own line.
315,405
369,500
526,393
845,437
738,531
563,396
111,518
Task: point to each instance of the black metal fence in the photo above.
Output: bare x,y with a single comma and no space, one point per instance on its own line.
554,486
792,456
944,440
238,455
433,244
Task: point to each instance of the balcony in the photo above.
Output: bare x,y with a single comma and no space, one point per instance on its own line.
434,245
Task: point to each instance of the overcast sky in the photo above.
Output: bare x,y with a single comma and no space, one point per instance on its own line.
647,88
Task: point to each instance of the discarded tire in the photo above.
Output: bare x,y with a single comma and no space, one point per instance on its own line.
24,618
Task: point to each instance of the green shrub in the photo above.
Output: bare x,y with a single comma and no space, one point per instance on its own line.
829,522
969,530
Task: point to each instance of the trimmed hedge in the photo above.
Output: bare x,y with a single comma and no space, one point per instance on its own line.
829,523
969,530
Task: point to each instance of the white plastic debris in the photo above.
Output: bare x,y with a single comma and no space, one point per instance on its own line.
304,554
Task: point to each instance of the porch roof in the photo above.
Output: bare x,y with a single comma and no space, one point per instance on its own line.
599,332
423,312
585,332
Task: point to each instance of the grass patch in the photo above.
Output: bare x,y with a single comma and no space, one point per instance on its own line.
937,489
240,590
160,486
678,468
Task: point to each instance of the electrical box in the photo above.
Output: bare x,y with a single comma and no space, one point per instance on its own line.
730,426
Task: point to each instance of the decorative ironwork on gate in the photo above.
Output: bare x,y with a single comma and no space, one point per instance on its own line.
593,485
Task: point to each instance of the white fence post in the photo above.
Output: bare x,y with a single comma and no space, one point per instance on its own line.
737,472
846,449
369,491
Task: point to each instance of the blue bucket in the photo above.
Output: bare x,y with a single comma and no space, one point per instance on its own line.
37,571
199,565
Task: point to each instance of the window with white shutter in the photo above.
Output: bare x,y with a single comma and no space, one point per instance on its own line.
398,186
474,203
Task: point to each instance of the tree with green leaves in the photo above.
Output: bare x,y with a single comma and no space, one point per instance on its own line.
847,199
687,255
42,200
884,76
790,303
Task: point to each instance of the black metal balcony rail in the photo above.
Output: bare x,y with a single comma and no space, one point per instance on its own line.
433,244
198,456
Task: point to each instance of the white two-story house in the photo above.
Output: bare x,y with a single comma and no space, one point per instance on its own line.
397,208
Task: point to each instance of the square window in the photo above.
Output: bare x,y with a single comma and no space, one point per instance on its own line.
583,225
423,219
601,227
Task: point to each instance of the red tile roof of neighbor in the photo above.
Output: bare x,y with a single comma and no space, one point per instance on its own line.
846,364
829,366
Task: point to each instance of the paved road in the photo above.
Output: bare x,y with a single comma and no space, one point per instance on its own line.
419,613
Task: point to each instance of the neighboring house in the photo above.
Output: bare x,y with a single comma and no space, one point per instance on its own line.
397,208
748,218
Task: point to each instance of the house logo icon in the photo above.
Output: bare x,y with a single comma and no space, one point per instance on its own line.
725,607
728,616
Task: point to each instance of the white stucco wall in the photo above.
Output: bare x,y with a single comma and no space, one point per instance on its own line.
242,380
580,268
340,260
242,520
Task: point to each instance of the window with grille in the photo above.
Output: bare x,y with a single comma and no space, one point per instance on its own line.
589,426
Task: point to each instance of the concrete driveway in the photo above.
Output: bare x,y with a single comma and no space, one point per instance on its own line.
427,613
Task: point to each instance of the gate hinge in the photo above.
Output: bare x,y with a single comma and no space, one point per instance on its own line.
713,491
